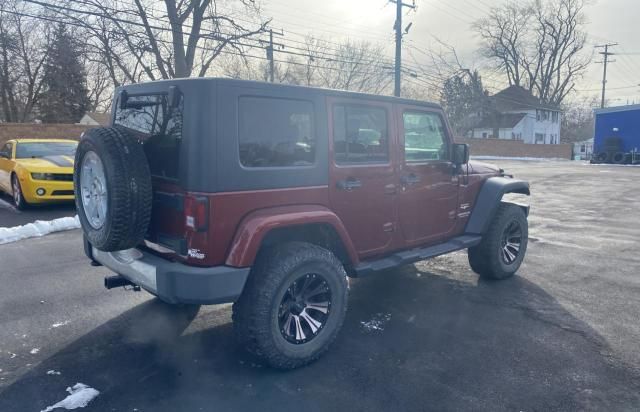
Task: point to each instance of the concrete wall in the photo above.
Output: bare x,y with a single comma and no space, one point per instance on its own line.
517,148
10,131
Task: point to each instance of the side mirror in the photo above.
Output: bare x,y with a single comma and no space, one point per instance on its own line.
460,154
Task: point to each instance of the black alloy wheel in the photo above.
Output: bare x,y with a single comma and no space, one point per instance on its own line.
511,242
305,308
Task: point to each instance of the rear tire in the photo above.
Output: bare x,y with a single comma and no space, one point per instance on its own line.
18,197
293,305
112,183
502,249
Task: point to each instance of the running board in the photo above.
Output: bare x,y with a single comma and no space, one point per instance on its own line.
415,255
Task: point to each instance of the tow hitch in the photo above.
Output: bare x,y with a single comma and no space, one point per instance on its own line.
118,281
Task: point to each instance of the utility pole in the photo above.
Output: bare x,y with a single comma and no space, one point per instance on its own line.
399,34
606,53
270,48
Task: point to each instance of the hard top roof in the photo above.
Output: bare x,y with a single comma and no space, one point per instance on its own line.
265,85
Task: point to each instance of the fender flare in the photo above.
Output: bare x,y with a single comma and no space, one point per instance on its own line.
256,225
489,199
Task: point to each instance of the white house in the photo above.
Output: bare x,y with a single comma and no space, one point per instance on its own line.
583,150
519,115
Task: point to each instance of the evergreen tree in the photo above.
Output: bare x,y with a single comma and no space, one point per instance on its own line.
65,96
465,101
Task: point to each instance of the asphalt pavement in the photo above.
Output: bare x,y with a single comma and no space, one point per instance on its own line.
10,216
561,335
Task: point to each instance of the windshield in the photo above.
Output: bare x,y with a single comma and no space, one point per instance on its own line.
42,149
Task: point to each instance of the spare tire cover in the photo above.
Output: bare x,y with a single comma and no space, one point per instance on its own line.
112,184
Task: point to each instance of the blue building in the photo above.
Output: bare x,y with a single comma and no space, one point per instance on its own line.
617,135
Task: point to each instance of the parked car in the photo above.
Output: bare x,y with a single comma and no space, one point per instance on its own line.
37,170
207,191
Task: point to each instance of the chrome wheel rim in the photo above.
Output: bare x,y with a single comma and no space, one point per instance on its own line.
16,192
93,190
304,308
511,242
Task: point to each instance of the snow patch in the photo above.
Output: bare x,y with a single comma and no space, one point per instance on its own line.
34,351
79,396
37,229
53,372
528,159
377,322
58,324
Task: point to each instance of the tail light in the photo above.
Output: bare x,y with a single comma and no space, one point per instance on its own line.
196,212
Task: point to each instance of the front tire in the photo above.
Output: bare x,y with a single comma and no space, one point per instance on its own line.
502,249
293,305
18,197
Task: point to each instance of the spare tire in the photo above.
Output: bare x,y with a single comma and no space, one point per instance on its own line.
602,157
619,158
112,183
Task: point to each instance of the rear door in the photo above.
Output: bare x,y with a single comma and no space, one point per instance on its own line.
428,194
362,182
149,115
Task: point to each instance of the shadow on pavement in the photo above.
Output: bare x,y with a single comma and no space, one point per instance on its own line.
447,345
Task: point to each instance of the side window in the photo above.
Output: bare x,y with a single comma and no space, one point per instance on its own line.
276,132
425,137
6,150
360,134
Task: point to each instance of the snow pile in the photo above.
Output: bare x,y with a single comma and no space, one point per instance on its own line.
377,322
34,351
79,397
38,228
58,324
53,372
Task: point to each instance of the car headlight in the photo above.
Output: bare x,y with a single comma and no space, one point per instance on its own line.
42,176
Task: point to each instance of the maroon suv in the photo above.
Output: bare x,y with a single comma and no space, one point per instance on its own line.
207,191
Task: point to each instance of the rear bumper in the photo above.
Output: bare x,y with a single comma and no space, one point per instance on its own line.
175,282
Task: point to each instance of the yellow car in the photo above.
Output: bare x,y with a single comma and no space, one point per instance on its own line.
37,170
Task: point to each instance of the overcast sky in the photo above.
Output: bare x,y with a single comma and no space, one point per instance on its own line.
450,20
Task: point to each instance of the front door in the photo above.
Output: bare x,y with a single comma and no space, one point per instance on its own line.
362,182
428,193
6,164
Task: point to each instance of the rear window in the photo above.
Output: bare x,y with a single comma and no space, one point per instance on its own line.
276,132
160,128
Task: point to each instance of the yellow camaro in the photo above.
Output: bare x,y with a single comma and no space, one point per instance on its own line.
37,170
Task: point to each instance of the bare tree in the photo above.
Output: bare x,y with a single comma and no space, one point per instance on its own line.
538,44
355,66
24,41
147,39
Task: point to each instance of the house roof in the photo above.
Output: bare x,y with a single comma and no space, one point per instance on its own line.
518,98
100,118
628,108
501,121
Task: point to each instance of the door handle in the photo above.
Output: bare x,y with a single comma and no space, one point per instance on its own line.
349,184
410,179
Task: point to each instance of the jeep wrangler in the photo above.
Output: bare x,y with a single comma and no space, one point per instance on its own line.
209,191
